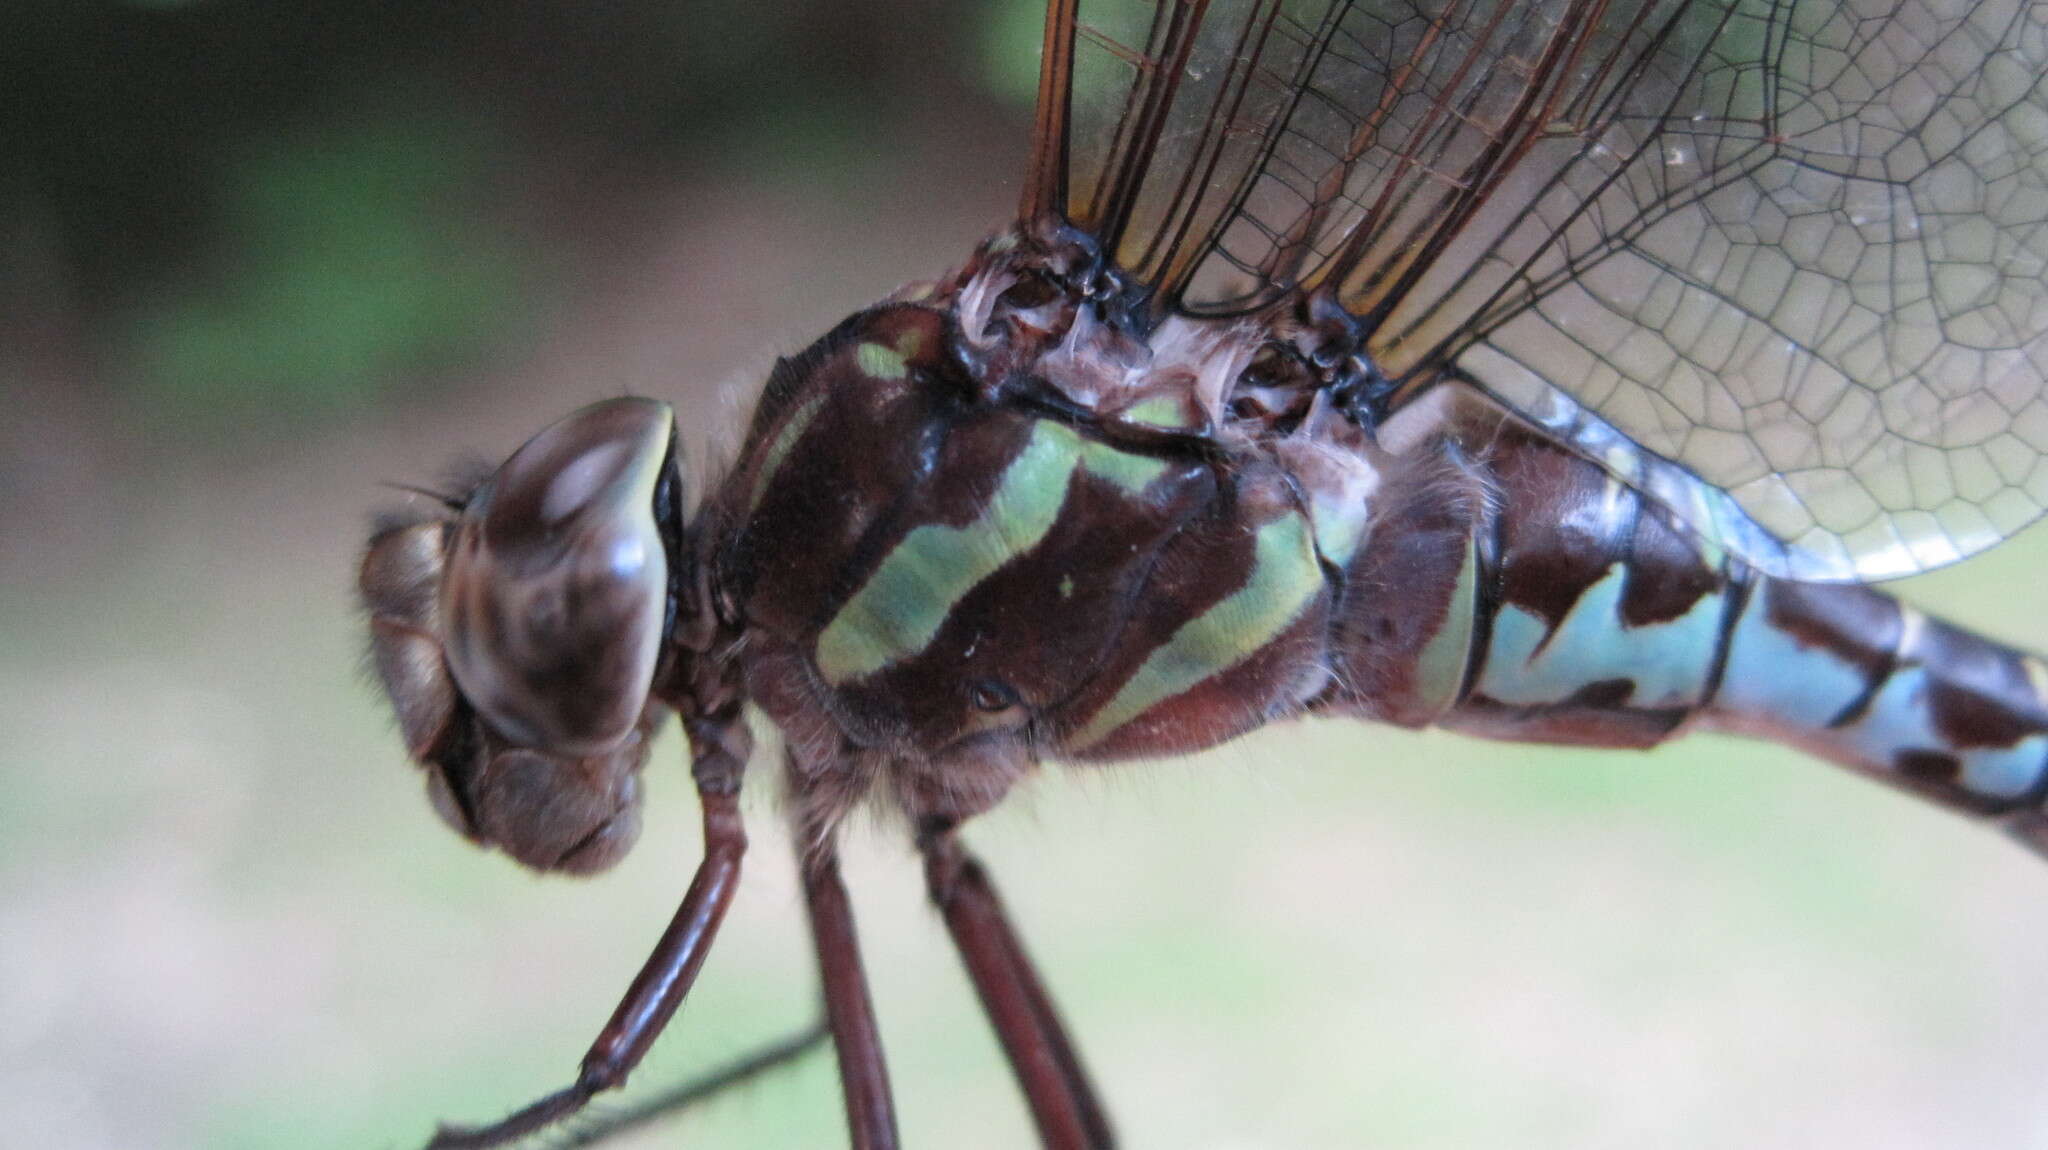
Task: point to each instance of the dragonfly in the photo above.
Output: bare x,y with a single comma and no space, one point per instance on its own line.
1560,371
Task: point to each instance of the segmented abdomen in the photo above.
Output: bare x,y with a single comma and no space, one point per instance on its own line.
1565,607
1858,677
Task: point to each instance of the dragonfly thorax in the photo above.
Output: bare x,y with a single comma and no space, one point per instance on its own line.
983,528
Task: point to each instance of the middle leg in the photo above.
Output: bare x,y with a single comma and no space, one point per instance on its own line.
863,1073
1062,1100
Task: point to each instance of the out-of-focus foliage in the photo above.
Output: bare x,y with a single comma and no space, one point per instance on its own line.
347,261
233,210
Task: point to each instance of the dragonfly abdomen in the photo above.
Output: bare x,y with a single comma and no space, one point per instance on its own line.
1856,676
1564,606
1569,608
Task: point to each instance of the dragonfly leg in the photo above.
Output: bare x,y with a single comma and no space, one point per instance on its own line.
720,745
1062,1100
863,1073
681,1097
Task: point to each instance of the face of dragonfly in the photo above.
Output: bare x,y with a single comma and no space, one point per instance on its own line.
519,636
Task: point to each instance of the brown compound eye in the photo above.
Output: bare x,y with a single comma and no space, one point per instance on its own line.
557,581
518,637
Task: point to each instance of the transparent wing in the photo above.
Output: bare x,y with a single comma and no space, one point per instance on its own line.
1148,112
1795,248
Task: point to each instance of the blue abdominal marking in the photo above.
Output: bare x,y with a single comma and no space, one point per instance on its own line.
1529,664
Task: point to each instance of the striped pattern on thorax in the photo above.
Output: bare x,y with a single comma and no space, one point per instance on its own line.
934,552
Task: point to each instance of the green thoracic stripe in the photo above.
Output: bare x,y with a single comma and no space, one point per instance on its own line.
897,612
792,429
1440,667
1284,580
1160,411
881,361
1340,517
1131,472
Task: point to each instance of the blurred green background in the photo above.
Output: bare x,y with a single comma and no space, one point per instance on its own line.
256,259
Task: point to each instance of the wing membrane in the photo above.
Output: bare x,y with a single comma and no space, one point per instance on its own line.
1165,119
1795,247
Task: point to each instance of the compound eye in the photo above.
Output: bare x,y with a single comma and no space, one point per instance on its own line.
558,580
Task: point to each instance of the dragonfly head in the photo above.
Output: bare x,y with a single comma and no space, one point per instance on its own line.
520,635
